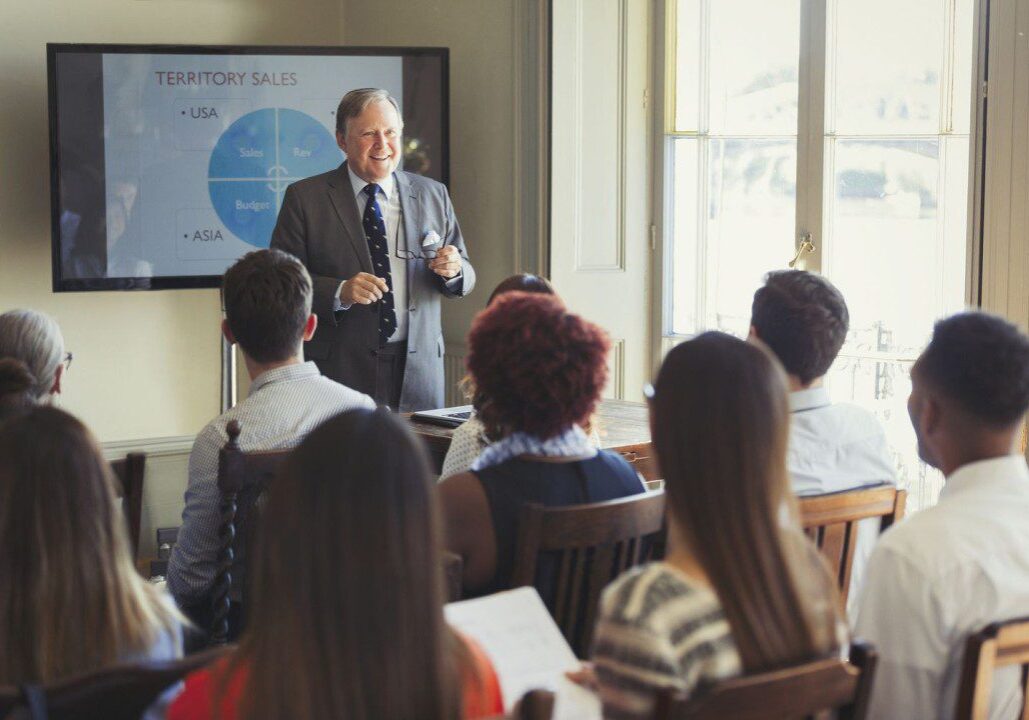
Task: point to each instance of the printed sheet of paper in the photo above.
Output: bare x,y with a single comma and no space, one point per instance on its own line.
526,647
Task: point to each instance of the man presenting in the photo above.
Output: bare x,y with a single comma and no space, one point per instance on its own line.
381,245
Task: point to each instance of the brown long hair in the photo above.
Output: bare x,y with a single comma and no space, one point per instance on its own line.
71,601
346,616
721,424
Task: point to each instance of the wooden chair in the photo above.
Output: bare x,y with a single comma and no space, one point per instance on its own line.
242,481
998,645
571,553
831,520
535,705
809,691
118,693
453,572
129,472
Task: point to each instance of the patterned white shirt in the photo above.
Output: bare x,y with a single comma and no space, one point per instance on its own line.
941,575
283,405
658,629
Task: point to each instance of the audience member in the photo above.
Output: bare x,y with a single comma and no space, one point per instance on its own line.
267,299
346,615
950,570
72,602
470,439
833,447
538,372
17,388
741,589
33,339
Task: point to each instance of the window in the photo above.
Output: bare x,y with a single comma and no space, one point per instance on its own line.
830,123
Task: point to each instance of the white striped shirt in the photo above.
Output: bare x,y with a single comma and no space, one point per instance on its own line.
283,405
658,629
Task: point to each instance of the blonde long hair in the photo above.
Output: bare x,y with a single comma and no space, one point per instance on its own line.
721,426
72,601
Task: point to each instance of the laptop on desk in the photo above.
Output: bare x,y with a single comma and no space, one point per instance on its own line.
451,417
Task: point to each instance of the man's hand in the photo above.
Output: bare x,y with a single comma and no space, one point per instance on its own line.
362,289
447,263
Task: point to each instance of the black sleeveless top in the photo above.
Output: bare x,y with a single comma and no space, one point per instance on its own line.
516,482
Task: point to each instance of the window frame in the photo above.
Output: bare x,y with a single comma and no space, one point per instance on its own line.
812,202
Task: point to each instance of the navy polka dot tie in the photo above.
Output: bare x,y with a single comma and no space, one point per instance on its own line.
375,234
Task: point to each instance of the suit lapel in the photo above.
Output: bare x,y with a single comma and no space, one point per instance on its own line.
341,192
411,211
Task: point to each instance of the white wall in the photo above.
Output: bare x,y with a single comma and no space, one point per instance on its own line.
147,364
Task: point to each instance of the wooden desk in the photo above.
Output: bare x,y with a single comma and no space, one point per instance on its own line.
622,426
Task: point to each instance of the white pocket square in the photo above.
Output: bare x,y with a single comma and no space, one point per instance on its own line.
431,238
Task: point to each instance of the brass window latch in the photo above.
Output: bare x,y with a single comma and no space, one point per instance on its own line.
806,246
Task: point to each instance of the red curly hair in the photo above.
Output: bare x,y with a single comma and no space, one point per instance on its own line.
537,368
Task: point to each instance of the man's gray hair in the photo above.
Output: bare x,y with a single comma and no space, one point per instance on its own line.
35,339
354,103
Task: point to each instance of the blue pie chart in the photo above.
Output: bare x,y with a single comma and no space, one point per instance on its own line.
256,158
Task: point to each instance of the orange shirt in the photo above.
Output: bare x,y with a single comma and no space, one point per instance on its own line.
480,689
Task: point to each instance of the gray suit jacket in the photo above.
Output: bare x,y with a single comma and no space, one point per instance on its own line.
320,224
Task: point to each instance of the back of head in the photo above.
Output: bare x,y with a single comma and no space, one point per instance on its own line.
981,363
347,596
34,339
17,388
72,600
537,368
522,282
267,297
803,318
720,423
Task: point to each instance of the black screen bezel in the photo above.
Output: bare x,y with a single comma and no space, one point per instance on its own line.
179,282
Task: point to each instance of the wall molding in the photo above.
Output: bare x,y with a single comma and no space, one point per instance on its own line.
531,166
618,369
621,144
153,447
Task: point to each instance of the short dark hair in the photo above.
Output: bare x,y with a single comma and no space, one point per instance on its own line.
267,298
537,368
803,318
981,362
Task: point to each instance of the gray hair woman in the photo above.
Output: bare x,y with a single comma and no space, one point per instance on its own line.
34,339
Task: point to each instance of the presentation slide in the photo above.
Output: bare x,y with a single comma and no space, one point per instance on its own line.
168,165
226,136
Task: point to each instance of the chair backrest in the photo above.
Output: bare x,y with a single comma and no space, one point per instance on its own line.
997,645
807,690
571,553
453,572
129,472
535,705
831,521
242,480
123,692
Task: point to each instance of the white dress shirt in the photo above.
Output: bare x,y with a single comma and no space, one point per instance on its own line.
941,575
283,405
833,448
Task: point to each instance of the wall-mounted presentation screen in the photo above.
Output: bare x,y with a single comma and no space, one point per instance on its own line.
168,163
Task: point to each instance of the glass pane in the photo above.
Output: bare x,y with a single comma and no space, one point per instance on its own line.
750,219
753,69
964,28
888,63
685,231
687,65
882,386
884,243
